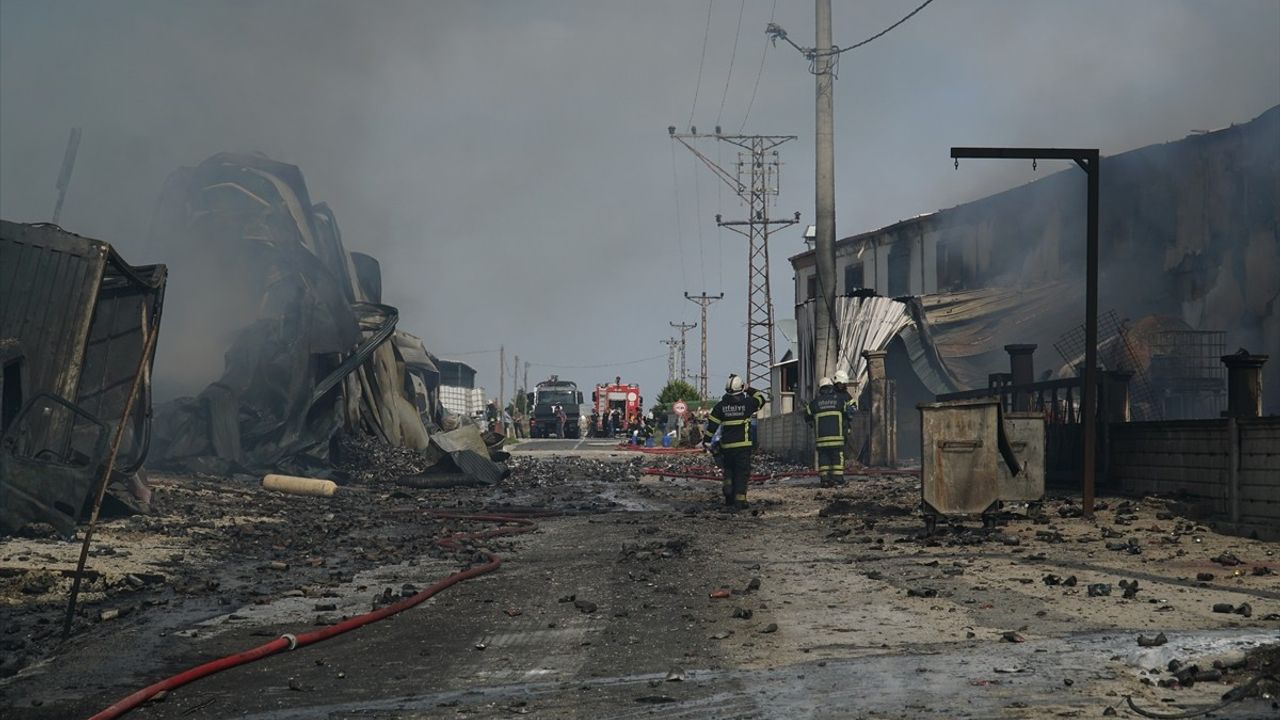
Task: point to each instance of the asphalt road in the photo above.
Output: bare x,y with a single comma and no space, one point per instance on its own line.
570,445
611,615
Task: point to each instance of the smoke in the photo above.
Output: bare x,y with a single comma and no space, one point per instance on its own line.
508,162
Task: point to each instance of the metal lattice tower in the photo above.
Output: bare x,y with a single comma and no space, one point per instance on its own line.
672,345
703,300
684,328
755,180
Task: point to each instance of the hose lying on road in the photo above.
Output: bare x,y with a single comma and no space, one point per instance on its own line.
702,474
659,450
292,642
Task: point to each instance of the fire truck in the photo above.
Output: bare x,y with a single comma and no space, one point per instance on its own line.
544,399
616,396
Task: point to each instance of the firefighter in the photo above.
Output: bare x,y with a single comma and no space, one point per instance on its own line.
841,381
729,433
827,414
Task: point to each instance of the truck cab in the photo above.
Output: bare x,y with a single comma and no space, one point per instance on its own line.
548,400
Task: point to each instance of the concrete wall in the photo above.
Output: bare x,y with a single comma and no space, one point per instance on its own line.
787,436
1228,469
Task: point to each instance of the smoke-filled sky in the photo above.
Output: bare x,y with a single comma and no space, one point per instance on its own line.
509,164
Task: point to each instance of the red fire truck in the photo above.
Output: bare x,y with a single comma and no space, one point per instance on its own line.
616,396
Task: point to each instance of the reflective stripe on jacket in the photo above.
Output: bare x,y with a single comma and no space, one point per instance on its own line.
731,417
827,414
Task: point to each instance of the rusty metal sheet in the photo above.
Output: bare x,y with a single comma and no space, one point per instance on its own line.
49,280
959,456
49,458
1026,439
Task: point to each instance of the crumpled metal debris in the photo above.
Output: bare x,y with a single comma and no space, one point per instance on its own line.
74,318
317,357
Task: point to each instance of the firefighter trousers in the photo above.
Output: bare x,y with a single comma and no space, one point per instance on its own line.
831,465
736,463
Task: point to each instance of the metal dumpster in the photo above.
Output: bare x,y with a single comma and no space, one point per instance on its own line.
963,444
1026,438
958,473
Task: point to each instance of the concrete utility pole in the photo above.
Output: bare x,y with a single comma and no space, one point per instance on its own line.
672,344
756,184
684,328
703,301
825,333
515,381
502,388
64,176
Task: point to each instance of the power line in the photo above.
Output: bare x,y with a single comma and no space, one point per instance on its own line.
759,73
698,87
675,191
697,194
733,54
601,365
447,355
777,33
883,32
719,230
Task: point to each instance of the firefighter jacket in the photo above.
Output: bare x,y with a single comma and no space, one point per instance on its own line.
828,413
732,418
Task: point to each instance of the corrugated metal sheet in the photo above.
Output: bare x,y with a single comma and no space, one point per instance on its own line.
49,281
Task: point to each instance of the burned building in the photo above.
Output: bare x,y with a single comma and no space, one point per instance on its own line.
292,326
75,319
1190,269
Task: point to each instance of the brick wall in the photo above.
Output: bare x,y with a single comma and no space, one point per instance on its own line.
787,436
1229,469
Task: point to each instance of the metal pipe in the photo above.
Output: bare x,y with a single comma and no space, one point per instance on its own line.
1090,405
147,349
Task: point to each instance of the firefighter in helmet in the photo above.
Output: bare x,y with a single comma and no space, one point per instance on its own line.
729,435
828,414
841,381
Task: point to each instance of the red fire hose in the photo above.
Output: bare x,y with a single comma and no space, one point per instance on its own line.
658,450
291,642
699,474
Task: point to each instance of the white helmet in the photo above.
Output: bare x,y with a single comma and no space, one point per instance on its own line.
824,381
841,377
735,385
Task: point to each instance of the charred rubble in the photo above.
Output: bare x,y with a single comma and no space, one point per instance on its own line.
314,356
311,373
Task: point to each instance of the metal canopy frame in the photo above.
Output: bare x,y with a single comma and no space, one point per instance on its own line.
1088,159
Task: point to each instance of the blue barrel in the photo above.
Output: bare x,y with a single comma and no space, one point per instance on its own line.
666,441
648,442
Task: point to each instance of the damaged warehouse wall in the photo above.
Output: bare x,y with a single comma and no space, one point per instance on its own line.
1204,211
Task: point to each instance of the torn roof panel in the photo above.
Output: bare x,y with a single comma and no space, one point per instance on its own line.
955,340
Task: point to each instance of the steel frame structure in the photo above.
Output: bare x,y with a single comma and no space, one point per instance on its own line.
1089,160
754,184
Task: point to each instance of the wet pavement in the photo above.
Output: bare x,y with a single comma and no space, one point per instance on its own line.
835,608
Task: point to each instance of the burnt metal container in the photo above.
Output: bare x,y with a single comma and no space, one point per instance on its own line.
1026,438
958,457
